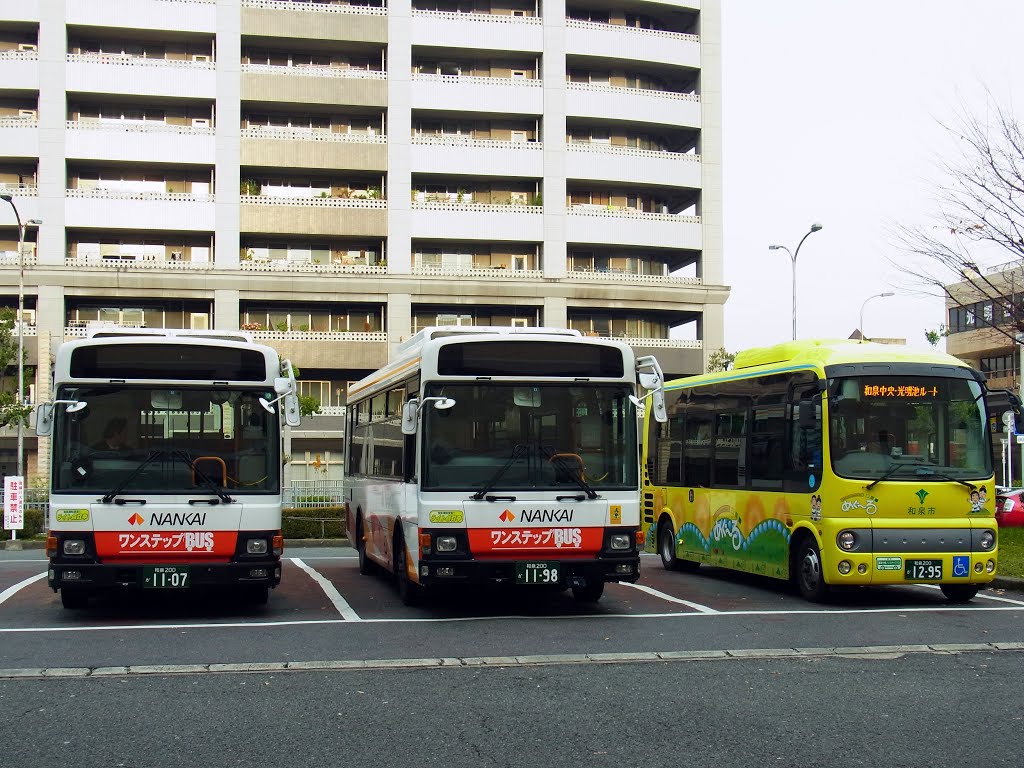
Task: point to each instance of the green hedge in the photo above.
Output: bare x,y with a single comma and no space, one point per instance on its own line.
313,523
35,524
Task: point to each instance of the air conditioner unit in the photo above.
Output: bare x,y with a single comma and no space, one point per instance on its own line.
200,122
29,114
28,47
176,255
200,57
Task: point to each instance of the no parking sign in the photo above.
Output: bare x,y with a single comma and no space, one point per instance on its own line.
14,503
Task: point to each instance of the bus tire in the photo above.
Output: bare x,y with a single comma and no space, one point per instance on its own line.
807,571
73,599
365,564
667,546
409,592
959,593
589,593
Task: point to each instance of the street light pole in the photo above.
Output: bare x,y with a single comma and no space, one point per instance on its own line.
869,298
792,256
21,326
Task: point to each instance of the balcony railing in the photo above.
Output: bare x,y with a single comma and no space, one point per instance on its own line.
639,32
20,190
661,343
621,151
620,276
489,273
133,262
437,205
305,134
317,71
469,142
610,211
127,194
19,55
282,265
623,91
19,122
121,60
360,336
145,127
300,5
516,82
313,202
485,18
10,259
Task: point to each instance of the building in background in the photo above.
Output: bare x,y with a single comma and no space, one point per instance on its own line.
335,176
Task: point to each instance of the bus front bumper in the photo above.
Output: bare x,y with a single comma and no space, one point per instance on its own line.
571,573
96,577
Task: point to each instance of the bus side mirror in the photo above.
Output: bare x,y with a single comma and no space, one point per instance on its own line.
292,415
807,414
44,419
409,412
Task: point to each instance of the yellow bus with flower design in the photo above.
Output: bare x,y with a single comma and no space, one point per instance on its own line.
827,463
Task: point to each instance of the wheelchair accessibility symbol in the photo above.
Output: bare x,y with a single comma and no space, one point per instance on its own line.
961,566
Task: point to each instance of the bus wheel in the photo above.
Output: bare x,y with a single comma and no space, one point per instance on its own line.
589,593
959,593
409,592
365,565
73,599
807,570
667,547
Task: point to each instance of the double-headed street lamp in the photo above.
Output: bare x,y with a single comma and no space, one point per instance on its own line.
21,326
792,255
869,298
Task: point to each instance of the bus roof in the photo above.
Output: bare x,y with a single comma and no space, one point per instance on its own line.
113,331
816,354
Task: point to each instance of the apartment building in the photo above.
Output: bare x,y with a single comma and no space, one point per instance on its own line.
334,176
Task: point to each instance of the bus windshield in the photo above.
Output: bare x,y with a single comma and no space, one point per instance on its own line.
906,429
514,436
163,440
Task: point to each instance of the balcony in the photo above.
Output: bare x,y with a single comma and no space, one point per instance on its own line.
502,95
302,148
314,85
19,70
148,142
637,104
294,266
465,155
313,216
138,76
314,21
10,259
489,274
623,226
477,221
187,15
632,278
156,211
314,349
19,136
607,162
132,263
477,30
630,43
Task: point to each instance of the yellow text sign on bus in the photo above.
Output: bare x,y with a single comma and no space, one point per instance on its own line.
615,513
446,515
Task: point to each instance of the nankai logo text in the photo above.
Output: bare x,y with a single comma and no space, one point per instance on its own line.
563,515
170,518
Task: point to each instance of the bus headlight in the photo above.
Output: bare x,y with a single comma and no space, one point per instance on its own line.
74,546
846,540
845,567
620,541
445,543
990,566
987,540
256,546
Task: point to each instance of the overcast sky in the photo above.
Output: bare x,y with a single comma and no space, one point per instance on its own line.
831,114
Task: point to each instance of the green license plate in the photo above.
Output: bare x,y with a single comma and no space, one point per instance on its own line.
165,576
922,570
537,573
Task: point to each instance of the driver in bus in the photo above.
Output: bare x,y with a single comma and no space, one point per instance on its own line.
115,436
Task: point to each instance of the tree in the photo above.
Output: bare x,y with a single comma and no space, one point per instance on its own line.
934,335
11,411
720,360
308,405
979,217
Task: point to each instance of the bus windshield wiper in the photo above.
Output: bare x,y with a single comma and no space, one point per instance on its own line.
219,492
116,490
918,471
518,450
575,474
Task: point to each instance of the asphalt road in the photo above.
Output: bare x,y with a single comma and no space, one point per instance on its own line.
710,668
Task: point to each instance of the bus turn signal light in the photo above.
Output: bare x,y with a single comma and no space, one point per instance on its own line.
51,546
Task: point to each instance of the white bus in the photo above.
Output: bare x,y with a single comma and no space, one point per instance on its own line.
166,460
498,455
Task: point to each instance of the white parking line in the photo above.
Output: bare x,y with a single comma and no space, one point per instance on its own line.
12,591
333,594
980,594
669,598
